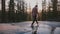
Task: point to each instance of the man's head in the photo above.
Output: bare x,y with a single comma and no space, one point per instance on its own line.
36,5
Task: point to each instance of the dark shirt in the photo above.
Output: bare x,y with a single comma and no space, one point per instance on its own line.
34,11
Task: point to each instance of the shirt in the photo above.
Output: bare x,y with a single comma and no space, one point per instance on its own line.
34,11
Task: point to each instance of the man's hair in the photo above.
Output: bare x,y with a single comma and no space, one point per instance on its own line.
36,5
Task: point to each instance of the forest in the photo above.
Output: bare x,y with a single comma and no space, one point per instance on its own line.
52,13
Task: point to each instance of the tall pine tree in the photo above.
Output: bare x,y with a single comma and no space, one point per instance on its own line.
54,2
11,11
3,10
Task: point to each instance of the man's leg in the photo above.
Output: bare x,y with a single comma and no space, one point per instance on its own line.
36,21
33,21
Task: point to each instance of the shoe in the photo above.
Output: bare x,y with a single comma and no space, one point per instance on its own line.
37,25
31,25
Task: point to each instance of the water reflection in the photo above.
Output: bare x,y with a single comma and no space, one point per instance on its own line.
34,29
52,30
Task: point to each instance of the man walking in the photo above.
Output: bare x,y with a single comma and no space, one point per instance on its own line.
34,14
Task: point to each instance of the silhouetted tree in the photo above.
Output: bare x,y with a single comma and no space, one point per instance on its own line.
11,12
58,9
54,2
43,9
3,11
21,15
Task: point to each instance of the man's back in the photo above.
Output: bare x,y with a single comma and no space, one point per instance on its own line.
34,11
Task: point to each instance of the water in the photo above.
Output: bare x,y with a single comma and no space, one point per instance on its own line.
45,27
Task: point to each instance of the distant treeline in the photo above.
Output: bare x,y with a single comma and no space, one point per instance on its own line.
20,13
11,14
53,11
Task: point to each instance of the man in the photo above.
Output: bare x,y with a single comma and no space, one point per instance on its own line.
34,14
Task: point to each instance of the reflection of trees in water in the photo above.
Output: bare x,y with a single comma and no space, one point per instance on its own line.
34,29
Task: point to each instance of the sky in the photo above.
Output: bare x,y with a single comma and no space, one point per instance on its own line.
34,2
31,2
0,4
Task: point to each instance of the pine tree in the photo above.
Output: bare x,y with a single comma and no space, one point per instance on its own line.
43,9
3,10
11,11
54,2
